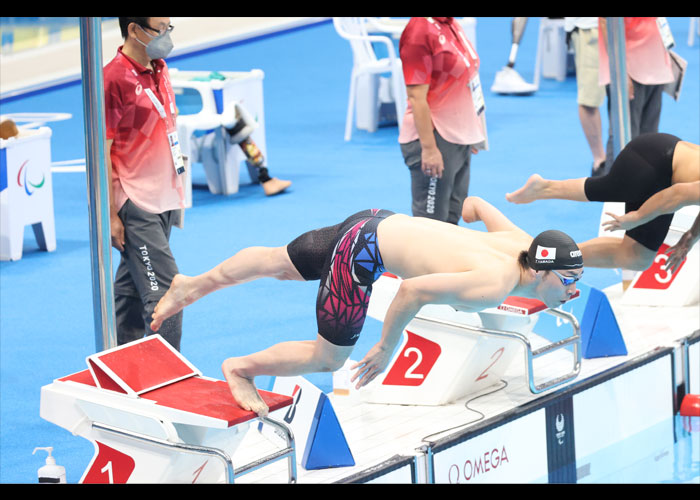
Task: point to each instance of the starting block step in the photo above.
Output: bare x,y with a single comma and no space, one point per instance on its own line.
152,417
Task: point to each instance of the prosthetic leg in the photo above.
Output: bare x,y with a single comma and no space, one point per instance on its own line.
507,80
240,125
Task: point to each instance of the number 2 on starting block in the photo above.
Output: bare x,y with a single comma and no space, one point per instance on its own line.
415,361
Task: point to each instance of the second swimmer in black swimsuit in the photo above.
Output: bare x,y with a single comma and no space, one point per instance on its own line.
650,163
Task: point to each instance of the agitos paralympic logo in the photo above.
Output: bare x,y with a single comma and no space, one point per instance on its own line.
24,181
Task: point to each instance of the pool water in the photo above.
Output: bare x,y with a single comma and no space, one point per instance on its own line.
666,453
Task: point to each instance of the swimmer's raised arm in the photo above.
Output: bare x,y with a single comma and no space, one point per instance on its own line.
477,209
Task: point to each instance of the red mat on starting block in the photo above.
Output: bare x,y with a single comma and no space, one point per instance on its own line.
152,370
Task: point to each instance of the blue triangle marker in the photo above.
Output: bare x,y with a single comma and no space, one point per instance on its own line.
600,332
326,446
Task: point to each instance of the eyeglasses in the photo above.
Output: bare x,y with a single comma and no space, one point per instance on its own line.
168,29
567,280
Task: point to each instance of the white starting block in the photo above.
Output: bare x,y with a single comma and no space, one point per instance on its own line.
656,286
153,418
26,192
448,354
200,97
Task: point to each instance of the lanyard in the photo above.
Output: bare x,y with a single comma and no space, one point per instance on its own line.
458,35
173,141
474,82
156,102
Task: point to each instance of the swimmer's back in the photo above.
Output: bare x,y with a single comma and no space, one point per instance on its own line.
413,246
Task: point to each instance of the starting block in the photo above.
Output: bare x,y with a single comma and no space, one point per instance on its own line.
153,418
448,354
657,286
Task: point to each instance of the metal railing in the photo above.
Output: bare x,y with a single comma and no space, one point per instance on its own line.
530,354
231,473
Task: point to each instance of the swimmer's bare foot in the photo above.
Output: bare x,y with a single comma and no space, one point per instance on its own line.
243,389
531,191
176,298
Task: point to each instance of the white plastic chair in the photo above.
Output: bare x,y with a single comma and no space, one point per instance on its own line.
367,65
693,29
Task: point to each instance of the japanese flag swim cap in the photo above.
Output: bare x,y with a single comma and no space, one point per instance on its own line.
554,250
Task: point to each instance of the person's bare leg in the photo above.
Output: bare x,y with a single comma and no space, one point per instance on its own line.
592,129
611,253
286,359
538,188
249,264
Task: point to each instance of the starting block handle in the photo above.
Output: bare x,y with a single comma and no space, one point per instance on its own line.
530,355
289,452
574,340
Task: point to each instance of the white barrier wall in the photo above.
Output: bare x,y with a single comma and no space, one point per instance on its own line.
572,435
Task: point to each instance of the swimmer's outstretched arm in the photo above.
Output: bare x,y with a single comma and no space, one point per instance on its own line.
474,290
666,201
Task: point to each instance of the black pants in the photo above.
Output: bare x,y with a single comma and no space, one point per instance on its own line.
644,113
144,275
441,198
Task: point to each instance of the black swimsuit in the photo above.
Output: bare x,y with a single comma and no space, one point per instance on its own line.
643,168
346,259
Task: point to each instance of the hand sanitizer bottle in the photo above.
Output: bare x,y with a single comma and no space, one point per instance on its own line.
51,473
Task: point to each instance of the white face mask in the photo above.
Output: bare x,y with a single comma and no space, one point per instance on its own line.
159,47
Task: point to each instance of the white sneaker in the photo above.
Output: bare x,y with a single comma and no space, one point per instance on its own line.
509,81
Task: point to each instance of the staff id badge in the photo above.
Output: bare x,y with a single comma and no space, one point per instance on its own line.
477,94
178,162
665,31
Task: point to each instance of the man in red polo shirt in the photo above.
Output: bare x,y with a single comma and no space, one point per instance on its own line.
444,121
146,174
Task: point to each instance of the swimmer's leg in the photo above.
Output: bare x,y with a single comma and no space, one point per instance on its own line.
610,253
286,359
249,264
538,188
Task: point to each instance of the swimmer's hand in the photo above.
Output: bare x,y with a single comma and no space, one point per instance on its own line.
621,222
678,252
374,363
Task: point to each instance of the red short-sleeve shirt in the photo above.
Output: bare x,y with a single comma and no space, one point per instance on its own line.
142,163
435,51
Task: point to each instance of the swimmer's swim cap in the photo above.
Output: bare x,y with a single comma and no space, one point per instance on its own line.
554,250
